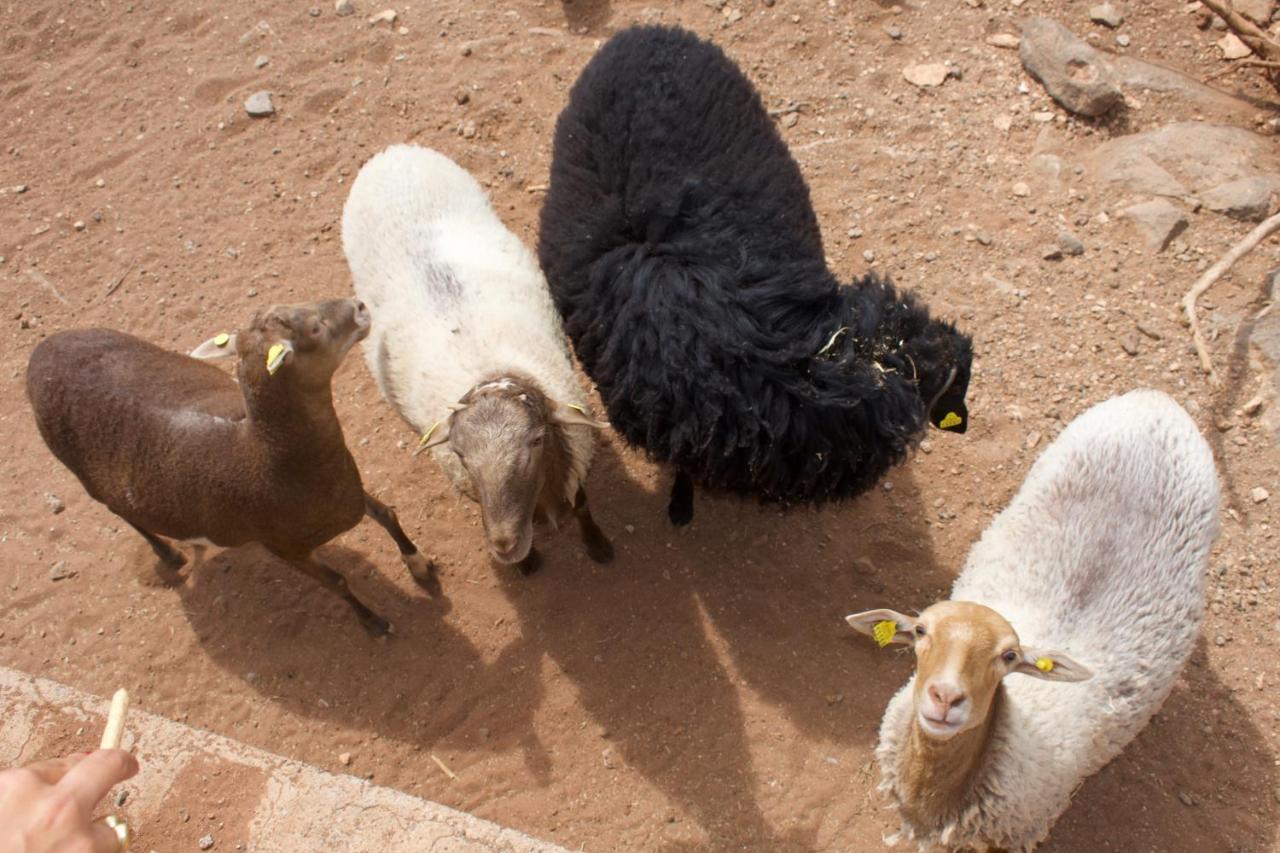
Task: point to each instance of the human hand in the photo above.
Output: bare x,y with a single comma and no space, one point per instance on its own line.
47,806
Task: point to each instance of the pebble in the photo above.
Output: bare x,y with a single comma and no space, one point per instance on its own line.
984,238
1051,252
1253,407
1129,343
205,842
630,528
869,256
100,183
60,571
1107,14
261,61
344,8
1032,439
1232,47
1008,41
893,32
20,189
1187,799
469,130
463,97
388,15
345,758
314,11
1259,494
80,225
1123,40
1021,190
54,503
855,232
928,75
790,119
1147,330
1070,243
259,104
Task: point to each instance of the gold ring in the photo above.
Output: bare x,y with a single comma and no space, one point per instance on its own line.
121,829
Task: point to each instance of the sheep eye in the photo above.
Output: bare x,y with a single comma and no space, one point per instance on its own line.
1010,656
919,630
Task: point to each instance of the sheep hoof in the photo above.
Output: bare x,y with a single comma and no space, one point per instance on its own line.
422,569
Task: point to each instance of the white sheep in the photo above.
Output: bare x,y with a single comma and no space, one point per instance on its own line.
468,348
1102,554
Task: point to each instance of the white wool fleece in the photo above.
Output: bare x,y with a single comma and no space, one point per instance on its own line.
1101,556
455,297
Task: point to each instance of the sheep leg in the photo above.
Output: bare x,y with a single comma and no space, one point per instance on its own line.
680,508
337,584
599,548
531,563
422,569
170,557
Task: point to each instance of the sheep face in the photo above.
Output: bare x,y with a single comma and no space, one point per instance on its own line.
963,652
943,359
301,344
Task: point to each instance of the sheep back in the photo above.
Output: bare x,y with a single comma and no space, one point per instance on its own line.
1101,555
456,298
682,250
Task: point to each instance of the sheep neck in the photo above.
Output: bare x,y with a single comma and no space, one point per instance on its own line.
935,776
293,420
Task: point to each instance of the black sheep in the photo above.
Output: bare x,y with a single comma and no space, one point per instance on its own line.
682,249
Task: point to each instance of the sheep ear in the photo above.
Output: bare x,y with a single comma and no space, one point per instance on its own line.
885,626
569,414
1051,666
219,346
437,435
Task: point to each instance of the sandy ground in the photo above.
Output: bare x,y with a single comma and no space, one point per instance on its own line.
703,691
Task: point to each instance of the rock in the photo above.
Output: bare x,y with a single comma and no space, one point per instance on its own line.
1129,343
893,32
345,758
343,8
1107,14
1253,407
869,256
79,225
1259,494
259,104
1070,243
1247,199
1232,47
1032,439
1004,40
261,61
1071,71
1186,158
1157,221
469,130
61,571
388,15
790,119
205,842
1148,330
1258,11
314,11
1122,40
54,503
1021,190
926,76
1051,252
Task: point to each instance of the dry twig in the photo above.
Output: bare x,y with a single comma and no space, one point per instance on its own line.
1238,251
1255,38
114,731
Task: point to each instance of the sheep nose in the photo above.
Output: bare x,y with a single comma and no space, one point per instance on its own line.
362,310
946,695
503,544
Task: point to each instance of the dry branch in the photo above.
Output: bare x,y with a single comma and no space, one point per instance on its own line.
1257,40
1238,251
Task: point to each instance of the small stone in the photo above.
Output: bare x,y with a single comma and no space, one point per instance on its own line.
205,842
1106,14
855,232
343,8
1232,47
869,256
314,11
607,757
463,97
100,183
61,571
469,130
893,32
1259,494
984,238
54,503
1051,252
1123,40
1007,41
1032,439
259,104
1158,221
791,119
1070,243
20,189
630,528
1147,330
1129,343
79,225
387,15
345,758
1248,199
1021,190
1187,799
1253,407
261,61
926,76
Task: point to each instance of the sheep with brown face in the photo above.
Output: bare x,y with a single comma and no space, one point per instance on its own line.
1065,632
468,348
178,449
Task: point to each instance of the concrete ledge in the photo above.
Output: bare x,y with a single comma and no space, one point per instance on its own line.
283,805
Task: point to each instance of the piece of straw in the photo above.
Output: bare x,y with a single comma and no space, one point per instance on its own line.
115,720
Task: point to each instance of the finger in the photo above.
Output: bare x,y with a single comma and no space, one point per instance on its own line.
51,770
104,838
89,781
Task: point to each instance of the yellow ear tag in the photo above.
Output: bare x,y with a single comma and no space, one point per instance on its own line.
275,358
951,420
1044,664
884,632
222,340
577,408
426,436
